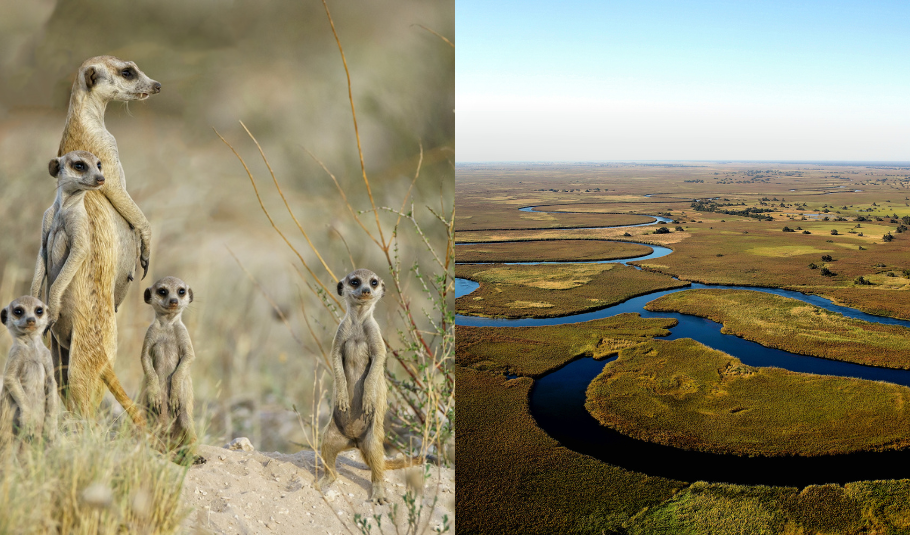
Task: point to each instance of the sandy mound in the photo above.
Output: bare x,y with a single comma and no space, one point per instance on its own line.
254,492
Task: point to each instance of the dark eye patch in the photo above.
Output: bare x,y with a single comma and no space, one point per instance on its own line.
162,291
18,311
39,311
78,166
181,291
355,282
127,73
99,166
374,282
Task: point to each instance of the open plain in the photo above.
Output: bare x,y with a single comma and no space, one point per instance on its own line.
831,240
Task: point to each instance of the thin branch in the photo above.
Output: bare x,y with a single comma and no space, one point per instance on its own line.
278,230
275,307
286,205
348,249
408,194
363,168
450,43
344,197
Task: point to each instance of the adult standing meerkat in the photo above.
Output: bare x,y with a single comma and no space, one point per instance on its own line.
65,247
29,398
359,404
114,220
167,353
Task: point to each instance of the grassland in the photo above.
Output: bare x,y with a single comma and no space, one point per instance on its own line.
712,247
684,394
794,326
546,291
544,349
513,219
549,251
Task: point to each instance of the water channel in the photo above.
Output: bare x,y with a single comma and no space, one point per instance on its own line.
557,399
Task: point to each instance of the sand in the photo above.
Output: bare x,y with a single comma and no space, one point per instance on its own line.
247,492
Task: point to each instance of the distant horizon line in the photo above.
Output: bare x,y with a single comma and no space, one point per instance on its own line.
900,163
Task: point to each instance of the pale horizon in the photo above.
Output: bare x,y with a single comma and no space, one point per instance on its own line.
690,81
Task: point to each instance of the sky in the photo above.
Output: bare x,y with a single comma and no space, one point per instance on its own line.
682,80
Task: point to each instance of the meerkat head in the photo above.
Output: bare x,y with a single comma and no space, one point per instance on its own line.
112,78
361,287
76,170
24,316
169,296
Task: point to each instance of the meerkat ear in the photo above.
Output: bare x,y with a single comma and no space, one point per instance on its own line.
3,316
148,296
91,76
382,285
53,167
190,292
340,287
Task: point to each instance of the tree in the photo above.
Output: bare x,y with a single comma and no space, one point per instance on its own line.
788,229
834,232
662,230
887,237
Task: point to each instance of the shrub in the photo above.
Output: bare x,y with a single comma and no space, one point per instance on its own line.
827,258
662,230
887,237
813,266
834,232
827,272
788,229
861,281
806,232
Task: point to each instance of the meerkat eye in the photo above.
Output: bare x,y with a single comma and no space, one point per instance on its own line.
355,282
127,73
99,166
374,282
162,291
79,166
39,311
181,291
18,311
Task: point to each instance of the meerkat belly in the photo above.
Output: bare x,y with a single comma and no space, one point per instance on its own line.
33,380
165,357
58,250
356,354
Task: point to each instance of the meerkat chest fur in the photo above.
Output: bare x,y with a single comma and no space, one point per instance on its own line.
356,353
163,347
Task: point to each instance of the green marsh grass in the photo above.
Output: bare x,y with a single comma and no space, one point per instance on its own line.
794,326
549,251
683,394
546,291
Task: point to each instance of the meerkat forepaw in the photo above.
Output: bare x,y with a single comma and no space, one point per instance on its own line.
324,483
343,405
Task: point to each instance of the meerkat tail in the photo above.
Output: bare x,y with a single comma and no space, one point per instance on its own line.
404,462
113,385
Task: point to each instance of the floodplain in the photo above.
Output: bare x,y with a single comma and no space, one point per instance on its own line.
835,231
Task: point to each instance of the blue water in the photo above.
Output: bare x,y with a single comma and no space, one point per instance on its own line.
557,399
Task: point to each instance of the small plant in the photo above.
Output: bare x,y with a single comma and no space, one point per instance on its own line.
834,232
827,272
861,281
788,229
827,258
887,237
813,266
806,232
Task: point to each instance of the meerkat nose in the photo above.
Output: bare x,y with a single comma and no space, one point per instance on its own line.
156,87
30,321
99,180
173,301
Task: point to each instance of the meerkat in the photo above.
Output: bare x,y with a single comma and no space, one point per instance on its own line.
359,401
29,396
167,353
65,247
100,285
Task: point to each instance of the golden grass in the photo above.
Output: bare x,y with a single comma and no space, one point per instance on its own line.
569,288
549,251
794,326
684,394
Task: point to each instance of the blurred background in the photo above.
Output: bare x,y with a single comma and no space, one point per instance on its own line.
276,67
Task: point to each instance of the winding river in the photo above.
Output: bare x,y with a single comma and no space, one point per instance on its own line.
557,399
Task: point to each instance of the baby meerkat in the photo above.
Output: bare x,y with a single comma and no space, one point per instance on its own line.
65,249
29,395
166,357
358,362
